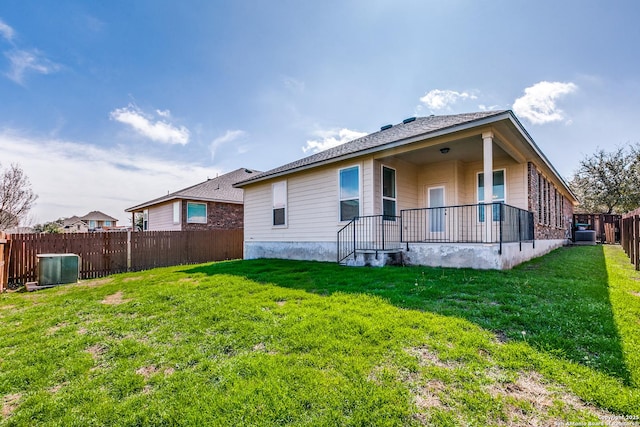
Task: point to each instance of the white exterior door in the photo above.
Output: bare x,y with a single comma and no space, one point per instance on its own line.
436,215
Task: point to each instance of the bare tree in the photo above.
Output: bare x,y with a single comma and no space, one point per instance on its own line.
608,182
16,196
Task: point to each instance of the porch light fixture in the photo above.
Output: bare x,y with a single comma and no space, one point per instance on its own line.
444,150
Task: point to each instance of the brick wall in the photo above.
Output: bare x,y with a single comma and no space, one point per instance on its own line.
220,216
552,211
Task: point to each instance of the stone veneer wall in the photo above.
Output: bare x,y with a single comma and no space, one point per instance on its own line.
551,221
220,216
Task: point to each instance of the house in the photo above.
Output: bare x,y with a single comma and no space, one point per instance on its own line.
74,225
212,204
93,221
463,190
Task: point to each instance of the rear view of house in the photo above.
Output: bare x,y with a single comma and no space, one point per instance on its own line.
464,190
209,205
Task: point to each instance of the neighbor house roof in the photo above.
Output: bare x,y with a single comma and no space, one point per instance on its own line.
409,128
218,189
97,216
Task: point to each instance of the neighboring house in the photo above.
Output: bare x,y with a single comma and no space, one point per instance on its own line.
415,193
93,221
213,204
74,225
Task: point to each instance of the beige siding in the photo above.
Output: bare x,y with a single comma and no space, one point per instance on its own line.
438,175
516,182
161,218
312,205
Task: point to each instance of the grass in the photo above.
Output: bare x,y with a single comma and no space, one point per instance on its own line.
274,342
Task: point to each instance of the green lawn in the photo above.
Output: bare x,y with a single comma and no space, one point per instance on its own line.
275,342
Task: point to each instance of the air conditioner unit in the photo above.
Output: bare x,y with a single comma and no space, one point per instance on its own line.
56,269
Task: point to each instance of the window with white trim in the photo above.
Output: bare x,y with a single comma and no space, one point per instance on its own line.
176,212
196,213
279,199
349,193
499,193
145,220
389,200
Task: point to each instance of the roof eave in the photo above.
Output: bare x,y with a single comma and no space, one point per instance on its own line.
173,198
539,153
420,137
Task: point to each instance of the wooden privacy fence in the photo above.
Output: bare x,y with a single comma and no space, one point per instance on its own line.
630,236
606,226
102,254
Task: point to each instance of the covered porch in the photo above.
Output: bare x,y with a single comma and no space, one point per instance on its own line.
460,233
457,200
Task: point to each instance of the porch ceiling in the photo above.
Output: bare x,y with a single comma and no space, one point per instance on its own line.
466,150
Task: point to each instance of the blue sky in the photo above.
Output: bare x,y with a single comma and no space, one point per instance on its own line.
107,104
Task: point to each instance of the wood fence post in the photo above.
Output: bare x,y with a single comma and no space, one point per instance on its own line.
5,247
128,250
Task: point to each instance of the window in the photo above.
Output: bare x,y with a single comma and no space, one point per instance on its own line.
498,194
196,213
540,207
349,193
389,193
176,212
107,223
279,193
145,220
92,224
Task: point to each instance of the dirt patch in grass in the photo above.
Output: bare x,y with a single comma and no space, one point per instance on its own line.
133,278
96,282
147,371
56,388
7,307
636,294
115,299
532,392
97,350
427,396
281,303
10,404
501,337
52,330
428,357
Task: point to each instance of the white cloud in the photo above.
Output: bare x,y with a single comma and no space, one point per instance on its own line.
483,107
230,135
6,31
538,104
159,130
438,99
23,61
331,138
74,178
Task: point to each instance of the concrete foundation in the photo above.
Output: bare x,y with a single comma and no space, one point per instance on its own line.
309,251
454,255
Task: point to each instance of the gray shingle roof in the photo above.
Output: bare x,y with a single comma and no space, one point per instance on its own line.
97,216
399,132
219,189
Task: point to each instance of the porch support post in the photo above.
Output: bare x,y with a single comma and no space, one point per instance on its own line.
487,154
